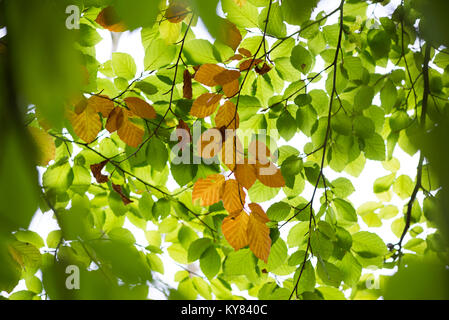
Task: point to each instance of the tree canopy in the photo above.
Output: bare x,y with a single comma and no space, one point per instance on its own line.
236,158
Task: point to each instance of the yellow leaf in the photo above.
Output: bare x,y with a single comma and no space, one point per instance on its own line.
233,196
232,151
101,104
130,133
87,124
209,190
245,174
205,105
140,108
206,74
227,116
269,175
45,145
234,229
258,233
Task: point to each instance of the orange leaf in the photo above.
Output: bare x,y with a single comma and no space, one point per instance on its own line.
140,108
232,151
206,74
258,233
245,174
227,116
45,145
96,171
209,190
226,76
233,196
259,151
176,12
87,124
108,19
205,105
101,104
231,89
269,175
187,86
130,133
209,144
118,189
229,34
115,119
234,229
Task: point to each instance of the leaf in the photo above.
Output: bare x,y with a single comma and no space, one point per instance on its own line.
96,171
118,189
157,154
102,104
123,65
87,124
210,262
269,175
227,116
403,186
130,133
286,125
176,12
229,34
258,233
205,105
187,85
210,143
301,59
158,55
245,174
234,228
109,19
209,190
115,119
206,74
45,145
384,183
140,108
368,245
233,196
296,12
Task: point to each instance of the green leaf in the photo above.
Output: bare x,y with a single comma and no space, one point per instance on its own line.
403,187
161,209
301,59
286,125
375,148
345,210
276,26
363,98
244,17
197,248
158,54
200,51
157,154
388,95
278,211
210,262
368,245
383,184
30,237
123,65
296,12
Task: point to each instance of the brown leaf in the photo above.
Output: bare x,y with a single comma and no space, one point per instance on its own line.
118,189
115,119
109,19
101,104
96,171
130,133
231,89
245,52
226,76
265,68
205,105
233,196
176,12
249,64
229,34
187,86
209,190
258,232
140,108
234,229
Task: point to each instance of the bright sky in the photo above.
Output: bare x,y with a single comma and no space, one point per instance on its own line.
130,42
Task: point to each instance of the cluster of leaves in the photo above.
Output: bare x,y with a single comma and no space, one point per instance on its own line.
105,154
